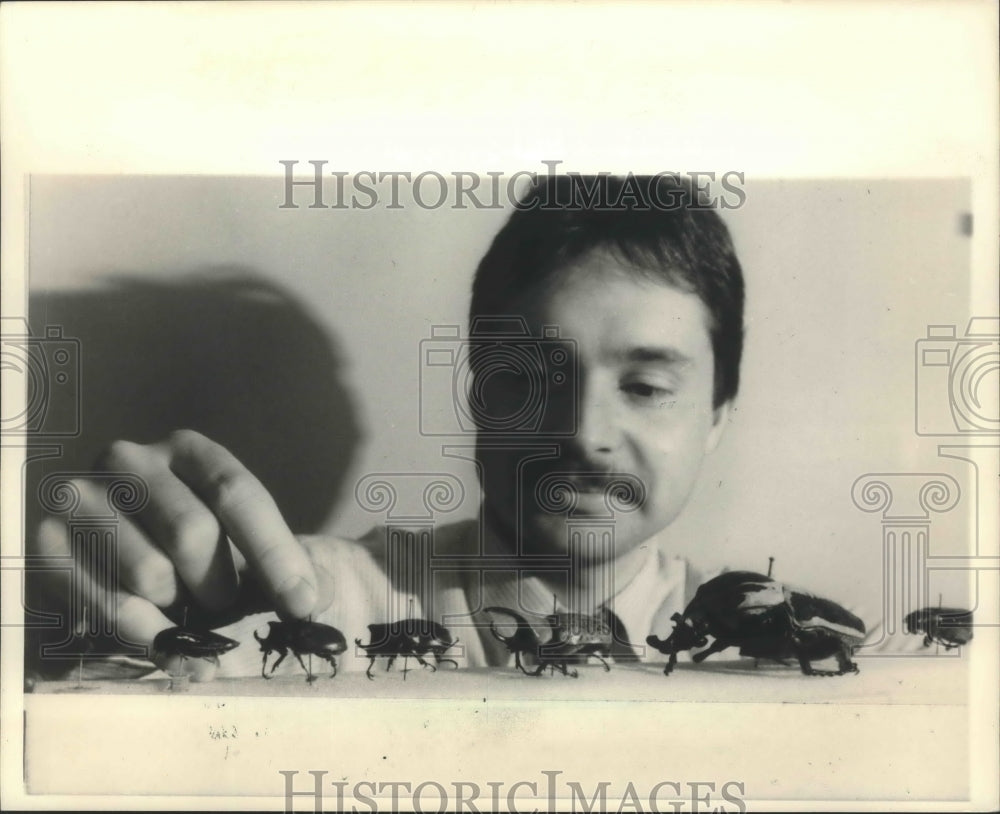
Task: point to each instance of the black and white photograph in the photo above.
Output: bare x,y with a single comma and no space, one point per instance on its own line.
515,409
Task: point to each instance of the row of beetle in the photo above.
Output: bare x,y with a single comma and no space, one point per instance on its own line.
762,617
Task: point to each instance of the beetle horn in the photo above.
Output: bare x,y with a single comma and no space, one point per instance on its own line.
516,616
256,635
522,623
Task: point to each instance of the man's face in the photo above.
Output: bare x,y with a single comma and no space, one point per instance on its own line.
643,412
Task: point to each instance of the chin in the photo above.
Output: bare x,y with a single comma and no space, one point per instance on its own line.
545,535
548,534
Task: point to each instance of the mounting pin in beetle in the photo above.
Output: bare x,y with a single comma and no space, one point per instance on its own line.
175,645
574,638
765,619
948,627
410,637
301,636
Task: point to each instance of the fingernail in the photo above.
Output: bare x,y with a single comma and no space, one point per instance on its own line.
297,596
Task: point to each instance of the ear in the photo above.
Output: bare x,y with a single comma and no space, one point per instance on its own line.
720,417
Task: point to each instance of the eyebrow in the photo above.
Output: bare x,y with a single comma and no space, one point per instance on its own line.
669,356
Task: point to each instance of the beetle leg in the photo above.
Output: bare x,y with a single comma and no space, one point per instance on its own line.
715,647
310,678
405,670
844,660
520,665
671,662
426,663
441,660
927,640
263,667
846,666
601,660
807,668
281,658
368,672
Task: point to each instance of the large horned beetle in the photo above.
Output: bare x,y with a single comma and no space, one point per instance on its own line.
574,638
765,619
301,637
409,638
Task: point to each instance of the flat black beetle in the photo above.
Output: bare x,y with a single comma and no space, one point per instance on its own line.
186,643
410,637
765,619
301,637
574,639
950,627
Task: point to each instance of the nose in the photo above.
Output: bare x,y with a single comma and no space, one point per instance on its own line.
598,431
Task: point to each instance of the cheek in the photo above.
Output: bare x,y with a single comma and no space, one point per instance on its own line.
669,456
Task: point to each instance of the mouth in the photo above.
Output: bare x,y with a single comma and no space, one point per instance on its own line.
590,483
561,490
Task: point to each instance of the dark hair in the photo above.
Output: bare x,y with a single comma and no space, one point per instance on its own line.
658,225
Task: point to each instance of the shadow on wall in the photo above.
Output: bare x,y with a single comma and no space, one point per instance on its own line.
220,351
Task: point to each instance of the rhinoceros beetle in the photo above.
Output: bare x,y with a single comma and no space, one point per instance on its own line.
174,645
949,627
301,637
765,619
406,638
574,638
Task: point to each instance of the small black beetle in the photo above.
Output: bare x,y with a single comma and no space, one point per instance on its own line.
301,637
950,627
574,639
765,619
410,637
195,644
175,644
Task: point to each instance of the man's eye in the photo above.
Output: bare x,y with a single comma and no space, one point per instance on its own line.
648,391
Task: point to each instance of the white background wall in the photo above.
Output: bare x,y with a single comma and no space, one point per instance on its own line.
843,277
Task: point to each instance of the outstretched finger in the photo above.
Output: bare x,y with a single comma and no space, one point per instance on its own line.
188,537
251,519
134,620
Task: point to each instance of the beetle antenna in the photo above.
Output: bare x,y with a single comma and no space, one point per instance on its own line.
83,630
876,629
183,624
309,677
770,565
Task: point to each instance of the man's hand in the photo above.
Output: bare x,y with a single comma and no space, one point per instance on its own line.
208,525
